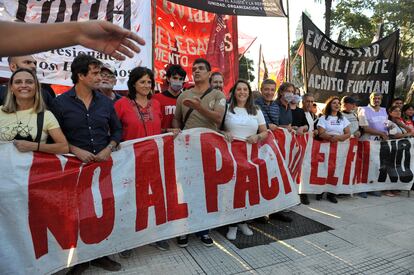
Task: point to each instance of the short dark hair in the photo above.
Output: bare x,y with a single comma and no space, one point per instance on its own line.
214,74
175,69
268,81
80,65
135,75
204,61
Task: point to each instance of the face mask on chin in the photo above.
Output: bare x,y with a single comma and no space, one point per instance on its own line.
289,97
296,99
176,86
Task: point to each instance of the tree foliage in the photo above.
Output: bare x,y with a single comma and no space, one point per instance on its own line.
246,69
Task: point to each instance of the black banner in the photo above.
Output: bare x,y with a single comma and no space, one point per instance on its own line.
333,69
237,7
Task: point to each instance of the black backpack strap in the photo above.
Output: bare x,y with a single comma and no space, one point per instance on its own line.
40,120
224,118
187,115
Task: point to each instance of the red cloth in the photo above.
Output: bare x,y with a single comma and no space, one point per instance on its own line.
133,126
409,123
167,102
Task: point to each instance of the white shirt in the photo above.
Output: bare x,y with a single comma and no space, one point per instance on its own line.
241,124
332,126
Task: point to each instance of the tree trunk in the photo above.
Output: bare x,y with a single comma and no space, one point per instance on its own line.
328,11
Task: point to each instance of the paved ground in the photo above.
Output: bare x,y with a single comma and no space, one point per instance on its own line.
370,236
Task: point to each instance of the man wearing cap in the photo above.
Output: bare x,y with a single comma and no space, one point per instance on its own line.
108,81
348,106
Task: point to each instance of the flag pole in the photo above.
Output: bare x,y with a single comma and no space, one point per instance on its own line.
154,21
258,69
288,42
247,48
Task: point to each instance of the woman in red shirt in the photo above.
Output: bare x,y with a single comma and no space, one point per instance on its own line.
407,116
139,114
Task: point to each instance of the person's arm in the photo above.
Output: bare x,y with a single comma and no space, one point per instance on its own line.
215,115
102,36
59,147
262,135
374,132
177,121
345,135
83,155
115,127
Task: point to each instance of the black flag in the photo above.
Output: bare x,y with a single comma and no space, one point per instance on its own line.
336,70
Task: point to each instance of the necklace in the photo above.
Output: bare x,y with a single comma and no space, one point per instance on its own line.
22,128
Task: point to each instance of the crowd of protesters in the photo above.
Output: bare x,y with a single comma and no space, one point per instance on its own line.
91,119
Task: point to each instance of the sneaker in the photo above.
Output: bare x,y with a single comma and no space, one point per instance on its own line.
304,199
126,254
78,269
363,195
389,194
182,241
281,217
332,198
261,220
206,240
107,264
244,228
319,197
162,245
232,233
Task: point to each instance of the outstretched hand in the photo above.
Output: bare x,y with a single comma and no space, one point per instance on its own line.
109,39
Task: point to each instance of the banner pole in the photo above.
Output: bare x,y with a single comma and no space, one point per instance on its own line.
258,69
288,42
154,21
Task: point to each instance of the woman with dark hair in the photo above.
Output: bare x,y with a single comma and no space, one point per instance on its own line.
243,120
333,127
24,112
407,115
140,116
395,131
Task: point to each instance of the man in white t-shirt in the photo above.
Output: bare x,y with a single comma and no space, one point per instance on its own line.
373,119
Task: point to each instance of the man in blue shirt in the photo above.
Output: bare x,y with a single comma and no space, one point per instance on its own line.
267,104
90,124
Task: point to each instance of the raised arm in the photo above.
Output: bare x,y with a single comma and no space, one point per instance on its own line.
23,38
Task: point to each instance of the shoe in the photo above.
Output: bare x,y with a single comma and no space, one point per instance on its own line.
261,220
304,199
375,193
244,228
78,269
162,245
126,254
206,240
389,194
280,217
182,241
107,264
232,233
363,195
319,197
332,198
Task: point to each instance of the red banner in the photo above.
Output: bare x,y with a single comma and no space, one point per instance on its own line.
183,34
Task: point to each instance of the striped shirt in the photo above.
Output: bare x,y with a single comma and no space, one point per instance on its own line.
270,111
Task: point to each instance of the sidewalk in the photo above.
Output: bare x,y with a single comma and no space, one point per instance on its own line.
369,236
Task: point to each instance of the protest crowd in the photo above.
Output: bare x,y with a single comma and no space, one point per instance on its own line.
91,120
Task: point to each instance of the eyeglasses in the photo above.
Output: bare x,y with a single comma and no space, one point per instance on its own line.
107,75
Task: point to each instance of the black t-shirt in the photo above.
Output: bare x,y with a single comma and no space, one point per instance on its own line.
47,98
298,117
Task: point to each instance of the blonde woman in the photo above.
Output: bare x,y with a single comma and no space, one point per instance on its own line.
24,112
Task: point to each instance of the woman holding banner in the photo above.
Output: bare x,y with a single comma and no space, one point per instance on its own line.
333,127
243,120
25,120
140,116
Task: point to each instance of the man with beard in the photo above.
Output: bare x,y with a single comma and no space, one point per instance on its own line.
217,81
108,81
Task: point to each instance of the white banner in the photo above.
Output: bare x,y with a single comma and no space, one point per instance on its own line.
54,66
347,167
56,212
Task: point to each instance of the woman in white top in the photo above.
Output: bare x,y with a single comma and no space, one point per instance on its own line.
333,127
244,120
19,117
